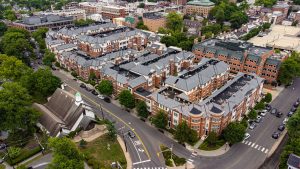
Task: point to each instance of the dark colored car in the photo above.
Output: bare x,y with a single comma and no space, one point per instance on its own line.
94,92
278,114
131,134
274,111
82,85
107,100
290,114
2,146
293,109
275,135
268,107
281,127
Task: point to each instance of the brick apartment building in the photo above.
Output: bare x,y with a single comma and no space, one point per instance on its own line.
32,23
229,103
110,12
241,56
154,21
199,7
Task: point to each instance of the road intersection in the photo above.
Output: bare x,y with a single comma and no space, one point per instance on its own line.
143,148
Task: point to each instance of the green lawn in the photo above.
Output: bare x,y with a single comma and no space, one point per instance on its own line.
205,146
2,166
96,152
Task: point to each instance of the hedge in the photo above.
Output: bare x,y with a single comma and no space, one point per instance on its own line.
25,154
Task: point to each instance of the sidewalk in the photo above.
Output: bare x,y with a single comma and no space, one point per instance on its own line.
127,155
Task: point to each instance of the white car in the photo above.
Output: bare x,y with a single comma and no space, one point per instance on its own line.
100,96
285,121
247,135
263,113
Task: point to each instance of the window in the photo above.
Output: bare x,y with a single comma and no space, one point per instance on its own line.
195,120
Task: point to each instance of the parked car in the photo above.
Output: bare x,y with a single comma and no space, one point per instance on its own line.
296,104
278,114
107,99
285,121
290,114
281,127
275,135
247,135
252,126
2,146
100,96
94,92
293,109
274,111
268,107
263,113
131,134
258,119
82,85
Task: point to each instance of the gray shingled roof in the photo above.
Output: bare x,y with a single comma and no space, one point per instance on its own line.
294,161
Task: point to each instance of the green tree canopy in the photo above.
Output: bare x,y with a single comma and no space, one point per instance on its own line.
48,58
184,133
259,106
16,43
83,22
237,19
252,114
127,99
212,138
12,69
174,21
142,110
265,3
169,40
39,35
3,28
10,15
160,120
65,154
15,111
293,125
105,87
140,25
289,69
234,132
268,98
41,82
112,132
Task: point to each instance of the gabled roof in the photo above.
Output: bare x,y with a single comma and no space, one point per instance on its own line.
294,161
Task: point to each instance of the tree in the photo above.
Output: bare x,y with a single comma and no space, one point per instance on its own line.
268,98
174,21
41,82
160,120
105,87
169,40
142,110
237,19
12,69
293,125
48,58
39,35
65,154
265,3
252,114
259,106
15,111
126,99
141,5
15,43
140,25
182,132
82,22
234,132
212,138
112,132
289,69
3,28
10,15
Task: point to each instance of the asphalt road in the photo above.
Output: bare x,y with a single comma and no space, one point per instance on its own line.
248,155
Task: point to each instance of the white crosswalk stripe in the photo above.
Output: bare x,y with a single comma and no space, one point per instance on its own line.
256,146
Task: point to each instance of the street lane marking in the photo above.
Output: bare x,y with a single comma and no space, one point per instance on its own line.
135,149
246,142
259,147
263,149
256,146
249,143
253,145
108,111
267,150
140,162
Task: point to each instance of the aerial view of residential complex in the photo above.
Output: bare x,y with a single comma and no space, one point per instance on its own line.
149,84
